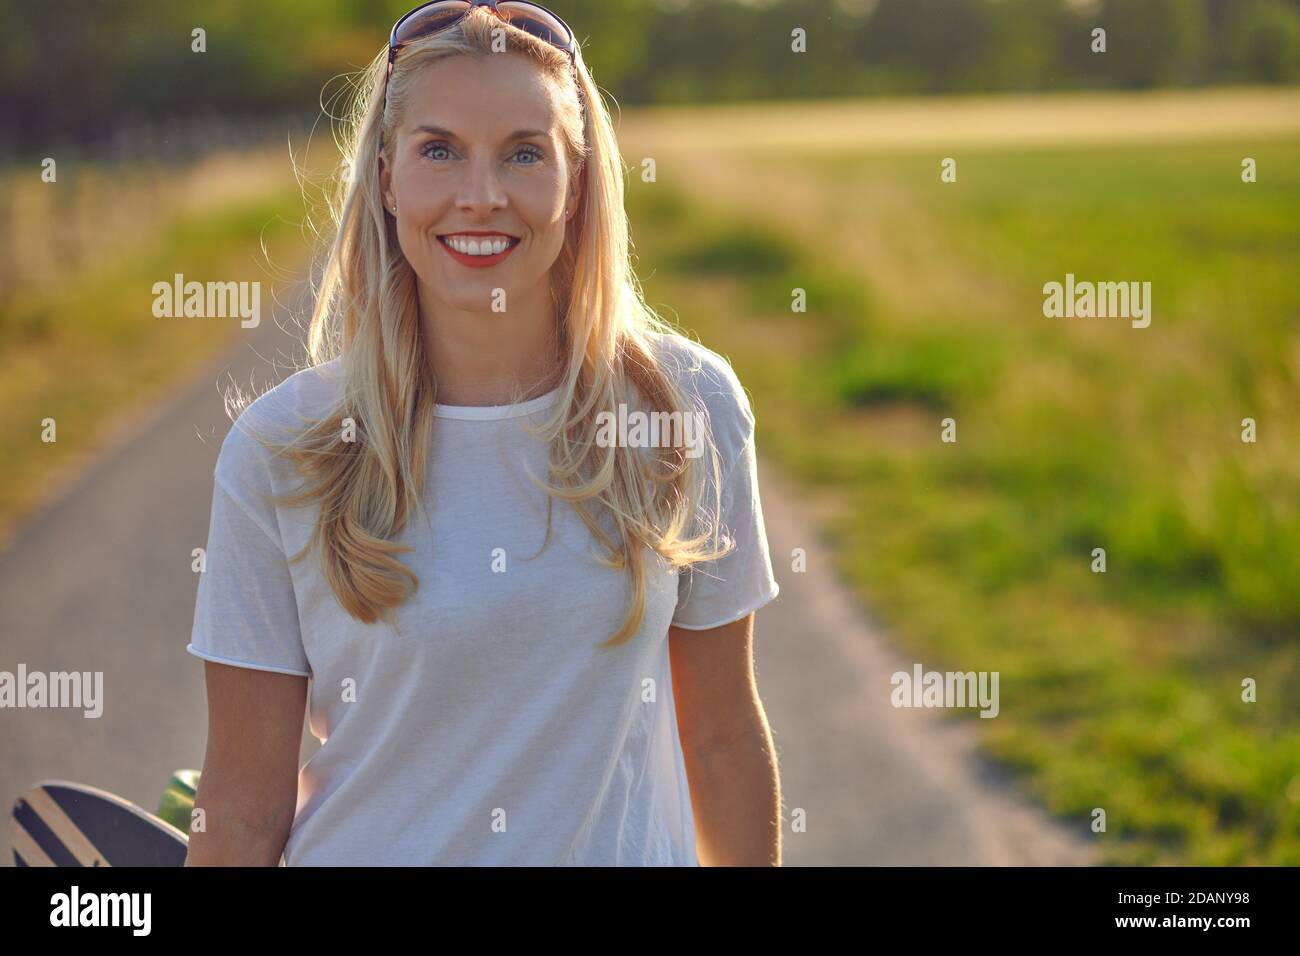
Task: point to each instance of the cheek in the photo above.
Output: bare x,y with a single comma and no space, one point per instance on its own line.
552,238
544,202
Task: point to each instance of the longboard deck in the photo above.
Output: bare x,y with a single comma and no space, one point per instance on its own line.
59,823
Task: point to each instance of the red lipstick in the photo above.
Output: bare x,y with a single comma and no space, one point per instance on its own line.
479,262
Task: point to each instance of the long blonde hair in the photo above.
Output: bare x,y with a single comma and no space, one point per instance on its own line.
366,314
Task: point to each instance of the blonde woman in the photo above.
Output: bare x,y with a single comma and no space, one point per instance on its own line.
527,626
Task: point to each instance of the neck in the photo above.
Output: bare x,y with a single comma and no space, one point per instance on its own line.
479,358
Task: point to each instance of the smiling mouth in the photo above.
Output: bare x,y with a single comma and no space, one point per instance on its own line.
479,246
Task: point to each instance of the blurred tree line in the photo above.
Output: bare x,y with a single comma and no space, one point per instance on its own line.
75,70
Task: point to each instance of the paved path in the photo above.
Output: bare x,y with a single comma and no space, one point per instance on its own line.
101,580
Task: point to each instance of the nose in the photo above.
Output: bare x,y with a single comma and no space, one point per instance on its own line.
481,193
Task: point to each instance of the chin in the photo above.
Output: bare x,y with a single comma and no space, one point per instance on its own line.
476,298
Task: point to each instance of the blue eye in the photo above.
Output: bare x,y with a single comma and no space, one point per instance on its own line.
438,145
430,147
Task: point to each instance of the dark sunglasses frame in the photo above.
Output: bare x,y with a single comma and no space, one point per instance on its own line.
567,43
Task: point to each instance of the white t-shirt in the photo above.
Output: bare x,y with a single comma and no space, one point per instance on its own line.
486,728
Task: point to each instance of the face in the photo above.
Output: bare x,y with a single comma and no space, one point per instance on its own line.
479,166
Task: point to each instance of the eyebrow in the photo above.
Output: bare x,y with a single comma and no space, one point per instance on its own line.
517,134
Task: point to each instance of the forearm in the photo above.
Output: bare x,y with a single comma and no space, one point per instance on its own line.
736,797
238,844
240,829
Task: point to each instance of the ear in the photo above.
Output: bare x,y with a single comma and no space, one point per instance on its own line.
386,185
574,196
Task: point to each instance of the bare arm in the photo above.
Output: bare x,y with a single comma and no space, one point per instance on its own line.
727,746
249,786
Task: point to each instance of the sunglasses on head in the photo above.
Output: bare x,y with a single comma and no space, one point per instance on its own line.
429,18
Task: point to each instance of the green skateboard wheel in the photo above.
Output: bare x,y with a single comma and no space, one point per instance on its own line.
177,802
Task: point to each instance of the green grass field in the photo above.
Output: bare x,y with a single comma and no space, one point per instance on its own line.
87,351
1120,690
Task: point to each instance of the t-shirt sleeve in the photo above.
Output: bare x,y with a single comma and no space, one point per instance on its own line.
246,612
726,589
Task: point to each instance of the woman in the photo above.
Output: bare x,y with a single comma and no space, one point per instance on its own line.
529,644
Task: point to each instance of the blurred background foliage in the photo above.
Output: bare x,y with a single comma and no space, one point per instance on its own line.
81,68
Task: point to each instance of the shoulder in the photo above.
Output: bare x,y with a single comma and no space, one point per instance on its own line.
276,415
712,385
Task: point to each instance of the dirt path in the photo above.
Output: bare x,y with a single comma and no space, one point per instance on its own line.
879,785
100,580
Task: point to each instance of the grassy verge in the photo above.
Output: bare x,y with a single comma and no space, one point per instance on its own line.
1121,690
89,353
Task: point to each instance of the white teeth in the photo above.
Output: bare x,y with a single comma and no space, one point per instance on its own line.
477,247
